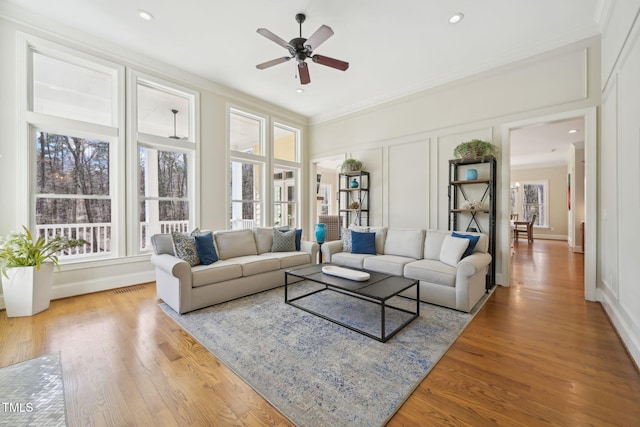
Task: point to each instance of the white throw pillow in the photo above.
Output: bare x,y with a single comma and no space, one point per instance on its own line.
452,250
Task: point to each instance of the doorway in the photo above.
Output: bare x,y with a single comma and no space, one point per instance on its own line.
587,118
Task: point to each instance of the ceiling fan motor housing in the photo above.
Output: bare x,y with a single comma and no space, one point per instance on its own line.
299,51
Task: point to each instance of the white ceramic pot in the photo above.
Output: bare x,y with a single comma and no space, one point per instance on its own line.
27,291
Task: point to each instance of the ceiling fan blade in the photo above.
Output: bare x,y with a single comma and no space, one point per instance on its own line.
268,34
272,62
303,72
330,62
319,37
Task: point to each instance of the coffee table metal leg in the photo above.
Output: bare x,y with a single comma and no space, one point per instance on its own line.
382,324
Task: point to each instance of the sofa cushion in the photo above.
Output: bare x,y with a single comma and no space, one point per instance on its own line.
431,271
162,244
184,247
363,243
206,250
289,259
256,264
407,243
349,260
284,241
433,244
473,241
381,235
214,273
452,250
389,264
264,239
235,243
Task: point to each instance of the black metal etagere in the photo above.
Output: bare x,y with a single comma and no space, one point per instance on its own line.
464,218
353,202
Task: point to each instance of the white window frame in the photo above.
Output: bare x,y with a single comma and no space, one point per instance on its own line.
543,221
31,122
139,139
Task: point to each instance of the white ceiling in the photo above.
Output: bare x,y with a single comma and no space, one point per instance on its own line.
546,144
394,47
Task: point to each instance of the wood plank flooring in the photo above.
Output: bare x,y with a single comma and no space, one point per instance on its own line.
536,354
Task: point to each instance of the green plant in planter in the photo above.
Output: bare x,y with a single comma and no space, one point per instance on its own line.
351,165
474,149
22,250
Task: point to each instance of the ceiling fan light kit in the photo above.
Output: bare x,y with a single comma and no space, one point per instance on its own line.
301,49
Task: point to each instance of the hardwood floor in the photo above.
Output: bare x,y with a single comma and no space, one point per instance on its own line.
536,354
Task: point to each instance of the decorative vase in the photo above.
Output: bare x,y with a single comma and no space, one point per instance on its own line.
321,233
354,183
27,291
472,174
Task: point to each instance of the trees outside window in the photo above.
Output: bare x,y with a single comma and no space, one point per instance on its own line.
532,198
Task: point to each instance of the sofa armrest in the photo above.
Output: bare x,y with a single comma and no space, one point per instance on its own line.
470,265
173,266
330,248
311,248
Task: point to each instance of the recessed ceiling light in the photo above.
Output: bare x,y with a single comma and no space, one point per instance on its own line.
456,18
300,90
145,15
573,131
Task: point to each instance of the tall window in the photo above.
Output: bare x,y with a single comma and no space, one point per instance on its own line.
246,169
325,203
166,141
286,171
74,117
253,152
533,199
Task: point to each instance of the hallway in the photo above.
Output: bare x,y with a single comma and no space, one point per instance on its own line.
536,354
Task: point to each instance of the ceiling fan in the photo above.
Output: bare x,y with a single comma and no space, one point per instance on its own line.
301,49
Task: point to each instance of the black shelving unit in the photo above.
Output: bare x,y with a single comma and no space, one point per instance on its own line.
461,190
348,195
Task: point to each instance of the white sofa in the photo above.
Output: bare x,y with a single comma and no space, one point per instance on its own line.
418,254
246,265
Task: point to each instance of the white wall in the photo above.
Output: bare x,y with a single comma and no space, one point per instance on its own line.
213,180
413,137
619,171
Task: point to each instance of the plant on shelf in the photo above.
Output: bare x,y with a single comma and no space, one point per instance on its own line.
27,266
351,165
475,149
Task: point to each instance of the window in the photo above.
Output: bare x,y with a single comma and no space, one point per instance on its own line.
166,145
533,199
325,203
75,129
252,155
246,169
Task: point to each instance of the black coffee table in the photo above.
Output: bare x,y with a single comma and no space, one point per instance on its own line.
377,290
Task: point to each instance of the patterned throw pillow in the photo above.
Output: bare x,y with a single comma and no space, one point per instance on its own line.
346,240
284,241
185,248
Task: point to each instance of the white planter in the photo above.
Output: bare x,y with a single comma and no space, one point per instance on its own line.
27,291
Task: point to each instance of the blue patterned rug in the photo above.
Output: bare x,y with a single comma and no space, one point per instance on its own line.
32,393
317,373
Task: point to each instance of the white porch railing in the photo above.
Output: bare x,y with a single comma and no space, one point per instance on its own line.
98,235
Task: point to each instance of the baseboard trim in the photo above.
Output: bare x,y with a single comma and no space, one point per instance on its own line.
97,285
622,325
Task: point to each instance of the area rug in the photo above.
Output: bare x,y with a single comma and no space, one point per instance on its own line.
317,373
32,393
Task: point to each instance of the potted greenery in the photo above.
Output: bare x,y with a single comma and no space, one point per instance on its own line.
475,149
351,165
27,270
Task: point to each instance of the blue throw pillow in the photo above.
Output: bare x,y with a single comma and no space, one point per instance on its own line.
298,237
363,243
206,250
473,241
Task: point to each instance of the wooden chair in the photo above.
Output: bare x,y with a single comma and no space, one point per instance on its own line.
524,227
513,217
332,225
